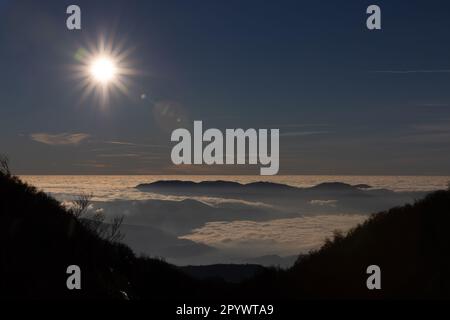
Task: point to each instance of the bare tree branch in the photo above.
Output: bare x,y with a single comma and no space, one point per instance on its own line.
96,220
4,165
80,205
114,233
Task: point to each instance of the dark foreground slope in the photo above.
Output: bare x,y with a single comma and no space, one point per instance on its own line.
411,245
39,239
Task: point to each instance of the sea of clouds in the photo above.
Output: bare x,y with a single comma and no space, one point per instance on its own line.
206,228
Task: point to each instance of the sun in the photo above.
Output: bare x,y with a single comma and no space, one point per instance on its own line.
103,69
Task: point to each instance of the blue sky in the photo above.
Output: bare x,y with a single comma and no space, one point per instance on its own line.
347,100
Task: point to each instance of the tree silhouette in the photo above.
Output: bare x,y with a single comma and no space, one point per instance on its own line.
96,221
4,165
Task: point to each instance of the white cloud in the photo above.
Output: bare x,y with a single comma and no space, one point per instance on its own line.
59,139
281,236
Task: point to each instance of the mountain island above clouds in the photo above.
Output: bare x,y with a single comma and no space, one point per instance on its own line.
328,197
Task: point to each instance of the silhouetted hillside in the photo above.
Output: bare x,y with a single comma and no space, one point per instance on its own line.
411,245
39,239
229,272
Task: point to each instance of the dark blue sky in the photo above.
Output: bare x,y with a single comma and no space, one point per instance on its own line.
347,100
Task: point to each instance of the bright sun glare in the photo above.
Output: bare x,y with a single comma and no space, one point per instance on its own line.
103,69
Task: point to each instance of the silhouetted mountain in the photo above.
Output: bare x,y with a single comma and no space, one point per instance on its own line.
411,245
234,273
179,185
174,184
147,239
180,217
334,186
40,239
362,186
272,260
324,198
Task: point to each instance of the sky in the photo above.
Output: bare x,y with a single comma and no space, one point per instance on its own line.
347,100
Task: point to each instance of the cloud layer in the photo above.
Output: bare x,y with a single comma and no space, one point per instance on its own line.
282,236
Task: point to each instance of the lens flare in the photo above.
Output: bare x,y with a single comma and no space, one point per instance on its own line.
103,70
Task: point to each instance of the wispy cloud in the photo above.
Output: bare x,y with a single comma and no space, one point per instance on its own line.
426,138
121,143
427,133
60,139
412,71
432,127
297,125
132,144
119,155
302,133
92,165
431,105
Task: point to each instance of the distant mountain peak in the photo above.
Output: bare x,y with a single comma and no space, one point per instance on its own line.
334,186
